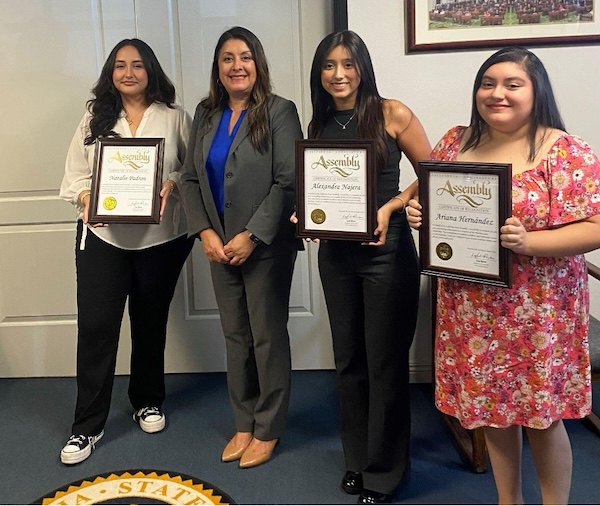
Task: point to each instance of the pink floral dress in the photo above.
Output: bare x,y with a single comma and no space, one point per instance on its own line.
520,356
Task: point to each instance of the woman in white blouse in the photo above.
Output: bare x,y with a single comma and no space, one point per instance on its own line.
132,98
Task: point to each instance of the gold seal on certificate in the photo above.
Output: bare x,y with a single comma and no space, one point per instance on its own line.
336,189
318,216
464,206
126,180
109,203
444,251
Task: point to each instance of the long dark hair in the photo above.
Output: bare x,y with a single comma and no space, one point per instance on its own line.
368,107
218,98
107,104
545,111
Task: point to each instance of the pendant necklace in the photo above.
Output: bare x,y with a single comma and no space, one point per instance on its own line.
130,120
344,125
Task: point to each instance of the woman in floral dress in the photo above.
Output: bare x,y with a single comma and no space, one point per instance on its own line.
518,357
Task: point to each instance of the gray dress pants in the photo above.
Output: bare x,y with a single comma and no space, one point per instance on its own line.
253,302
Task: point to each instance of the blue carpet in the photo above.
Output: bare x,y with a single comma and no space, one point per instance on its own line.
307,466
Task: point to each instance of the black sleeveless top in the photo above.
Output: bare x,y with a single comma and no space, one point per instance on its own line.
389,176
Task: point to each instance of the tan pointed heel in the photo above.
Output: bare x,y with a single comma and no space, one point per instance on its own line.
232,452
252,458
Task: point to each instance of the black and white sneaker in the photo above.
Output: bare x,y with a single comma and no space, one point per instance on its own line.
150,419
78,448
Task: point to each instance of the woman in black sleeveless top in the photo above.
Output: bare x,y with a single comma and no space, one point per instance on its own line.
371,290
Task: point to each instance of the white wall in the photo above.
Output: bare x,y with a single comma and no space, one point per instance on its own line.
437,86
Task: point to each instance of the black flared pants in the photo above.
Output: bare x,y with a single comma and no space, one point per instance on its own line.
106,277
372,297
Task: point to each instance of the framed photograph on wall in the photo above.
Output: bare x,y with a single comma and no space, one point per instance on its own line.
474,24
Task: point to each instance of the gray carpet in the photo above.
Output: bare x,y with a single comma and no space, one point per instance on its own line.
307,466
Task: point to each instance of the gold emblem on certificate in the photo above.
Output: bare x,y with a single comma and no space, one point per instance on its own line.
318,216
126,180
109,203
444,251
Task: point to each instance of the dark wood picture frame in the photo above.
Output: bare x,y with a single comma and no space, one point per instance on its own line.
504,210
526,33
368,147
156,143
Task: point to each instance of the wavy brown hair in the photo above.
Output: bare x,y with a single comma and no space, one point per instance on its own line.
218,98
106,105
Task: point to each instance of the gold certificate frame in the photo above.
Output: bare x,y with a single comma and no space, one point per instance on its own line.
464,206
126,180
336,189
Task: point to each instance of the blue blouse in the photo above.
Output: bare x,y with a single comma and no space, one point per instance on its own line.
217,157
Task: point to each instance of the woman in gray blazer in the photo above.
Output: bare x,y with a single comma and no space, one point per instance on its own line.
238,190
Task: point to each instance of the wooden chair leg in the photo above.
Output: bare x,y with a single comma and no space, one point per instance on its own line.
594,421
471,444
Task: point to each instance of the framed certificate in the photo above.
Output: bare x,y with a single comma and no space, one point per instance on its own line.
126,180
464,206
336,189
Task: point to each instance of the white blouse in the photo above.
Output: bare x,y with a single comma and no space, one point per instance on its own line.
158,121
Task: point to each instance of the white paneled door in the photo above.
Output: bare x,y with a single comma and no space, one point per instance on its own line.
51,53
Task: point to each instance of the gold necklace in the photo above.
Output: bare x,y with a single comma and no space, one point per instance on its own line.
344,125
133,118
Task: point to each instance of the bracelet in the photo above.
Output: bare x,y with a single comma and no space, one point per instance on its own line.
173,184
403,203
84,194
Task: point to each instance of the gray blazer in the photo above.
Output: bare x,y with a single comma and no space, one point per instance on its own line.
259,187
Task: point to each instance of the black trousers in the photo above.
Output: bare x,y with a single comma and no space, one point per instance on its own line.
372,298
106,277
